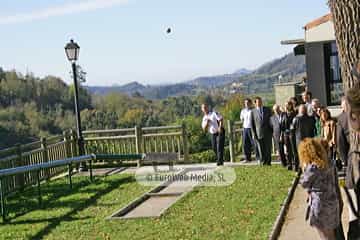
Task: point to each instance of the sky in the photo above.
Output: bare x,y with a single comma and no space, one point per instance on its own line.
125,40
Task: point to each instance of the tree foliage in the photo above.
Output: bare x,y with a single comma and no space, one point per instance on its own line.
33,107
346,17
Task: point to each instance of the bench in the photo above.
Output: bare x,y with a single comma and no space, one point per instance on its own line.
159,158
116,157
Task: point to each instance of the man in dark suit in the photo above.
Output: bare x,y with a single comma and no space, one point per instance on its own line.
342,133
303,126
262,131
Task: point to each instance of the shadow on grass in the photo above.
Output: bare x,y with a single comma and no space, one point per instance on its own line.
26,201
57,191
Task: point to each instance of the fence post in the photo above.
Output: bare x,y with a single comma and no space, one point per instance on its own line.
185,142
2,198
19,179
138,139
67,144
45,156
231,140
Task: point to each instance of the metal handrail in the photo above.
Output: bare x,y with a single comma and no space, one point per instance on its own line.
58,163
40,166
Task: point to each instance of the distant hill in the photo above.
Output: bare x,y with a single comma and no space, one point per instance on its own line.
165,91
242,71
290,67
150,92
220,80
129,88
288,64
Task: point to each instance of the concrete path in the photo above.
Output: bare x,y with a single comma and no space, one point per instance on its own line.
156,205
156,202
295,227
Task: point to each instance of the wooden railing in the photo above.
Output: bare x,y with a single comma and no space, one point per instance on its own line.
235,135
164,139
115,141
138,140
45,150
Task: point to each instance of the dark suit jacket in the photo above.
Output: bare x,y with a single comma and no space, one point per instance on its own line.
286,122
260,126
342,136
304,127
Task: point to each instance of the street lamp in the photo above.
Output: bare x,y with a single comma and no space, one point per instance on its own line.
72,50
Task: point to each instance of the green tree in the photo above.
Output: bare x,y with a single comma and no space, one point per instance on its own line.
233,107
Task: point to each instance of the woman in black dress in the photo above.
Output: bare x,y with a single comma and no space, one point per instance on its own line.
285,134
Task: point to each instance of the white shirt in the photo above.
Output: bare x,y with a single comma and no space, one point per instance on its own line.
309,109
245,117
261,111
213,126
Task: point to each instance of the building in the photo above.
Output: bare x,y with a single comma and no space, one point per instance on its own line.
236,87
322,60
284,91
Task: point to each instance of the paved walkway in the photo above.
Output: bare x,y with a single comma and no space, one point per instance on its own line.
132,170
295,227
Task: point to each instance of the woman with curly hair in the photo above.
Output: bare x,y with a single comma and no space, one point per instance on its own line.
320,182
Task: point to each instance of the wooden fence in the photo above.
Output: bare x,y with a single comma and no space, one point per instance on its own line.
115,141
171,139
45,150
138,140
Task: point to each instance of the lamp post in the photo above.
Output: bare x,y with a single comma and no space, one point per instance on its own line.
72,52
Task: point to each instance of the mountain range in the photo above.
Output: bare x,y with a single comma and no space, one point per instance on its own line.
289,67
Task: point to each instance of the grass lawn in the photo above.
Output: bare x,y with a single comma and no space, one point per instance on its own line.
245,210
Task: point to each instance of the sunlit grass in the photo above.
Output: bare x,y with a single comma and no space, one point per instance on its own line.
245,210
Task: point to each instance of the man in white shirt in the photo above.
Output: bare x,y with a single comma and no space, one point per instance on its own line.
213,123
245,118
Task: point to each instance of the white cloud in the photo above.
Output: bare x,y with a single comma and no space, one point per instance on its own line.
70,8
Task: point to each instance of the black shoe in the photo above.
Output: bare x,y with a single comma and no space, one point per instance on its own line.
219,164
290,168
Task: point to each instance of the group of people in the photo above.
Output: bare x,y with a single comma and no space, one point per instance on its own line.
287,126
309,140
317,159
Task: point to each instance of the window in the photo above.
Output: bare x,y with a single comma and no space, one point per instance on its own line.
334,85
